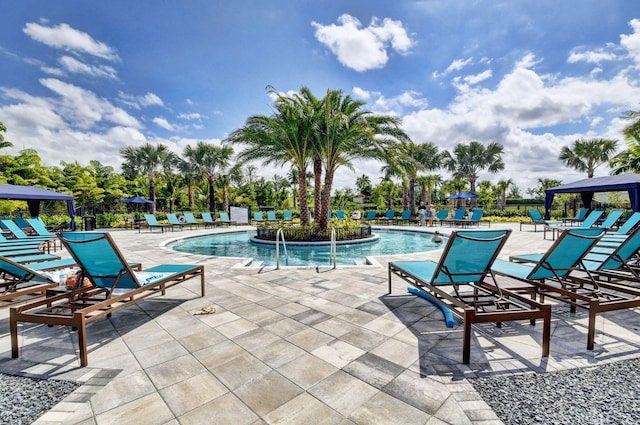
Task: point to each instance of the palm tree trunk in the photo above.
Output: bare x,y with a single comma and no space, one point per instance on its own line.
317,190
412,194
212,194
326,200
152,193
302,194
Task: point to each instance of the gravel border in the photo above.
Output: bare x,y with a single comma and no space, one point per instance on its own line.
607,394
24,399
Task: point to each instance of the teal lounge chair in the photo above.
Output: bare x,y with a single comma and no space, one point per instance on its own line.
258,218
224,218
287,216
588,222
370,217
271,217
152,223
340,215
388,217
537,220
208,220
578,218
442,215
19,234
21,283
458,216
562,275
113,285
174,221
404,217
190,219
462,283
39,227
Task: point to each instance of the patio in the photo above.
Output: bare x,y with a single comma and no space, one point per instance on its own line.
296,346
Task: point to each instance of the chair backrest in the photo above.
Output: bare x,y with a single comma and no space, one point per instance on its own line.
100,259
21,272
536,216
340,215
581,214
468,256
13,228
477,215
271,216
459,214
612,219
224,216
287,215
621,254
567,251
38,225
151,220
257,216
390,214
443,214
591,219
206,217
173,219
189,217
21,222
629,224
406,215
371,215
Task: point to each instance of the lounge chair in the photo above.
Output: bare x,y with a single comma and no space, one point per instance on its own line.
257,218
271,217
588,222
152,223
114,284
190,219
287,217
404,217
19,234
458,216
224,218
536,220
463,283
623,231
474,220
562,275
174,221
370,217
21,283
442,215
208,220
578,218
388,217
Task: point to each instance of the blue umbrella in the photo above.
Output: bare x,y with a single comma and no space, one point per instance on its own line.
136,200
463,195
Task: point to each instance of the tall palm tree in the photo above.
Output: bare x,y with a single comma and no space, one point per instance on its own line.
628,161
146,159
414,158
428,185
467,161
209,161
586,155
501,189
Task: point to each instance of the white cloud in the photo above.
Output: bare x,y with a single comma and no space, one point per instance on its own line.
150,99
162,122
137,102
66,38
631,42
190,116
74,66
361,93
409,99
366,48
475,79
591,56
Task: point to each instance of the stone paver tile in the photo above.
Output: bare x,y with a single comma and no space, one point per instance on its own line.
256,339
385,326
309,339
383,409
122,390
285,327
218,354
175,370
304,409
343,392
363,338
335,327
307,370
267,393
452,413
160,353
236,327
311,317
223,410
200,340
425,394
278,353
217,319
373,370
291,309
192,392
397,352
149,409
240,370
338,353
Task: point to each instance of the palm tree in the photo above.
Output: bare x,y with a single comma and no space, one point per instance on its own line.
363,183
428,184
415,158
628,161
587,154
146,159
209,161
468,160
501,189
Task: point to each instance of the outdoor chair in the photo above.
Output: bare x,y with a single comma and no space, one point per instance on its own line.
224,219
21,283
190,219
588,222
404,217
17,232
174,221
623,231
287,217
340,215
462,283
113,285
370,217
474,220
562,274
536,220
578,218
271,217
208,220
458,216
388,217
152,223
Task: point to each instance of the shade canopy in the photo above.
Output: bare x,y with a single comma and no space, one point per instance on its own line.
463,195
136,200
33,196
587,187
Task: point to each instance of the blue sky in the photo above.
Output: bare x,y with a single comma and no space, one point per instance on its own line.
79,80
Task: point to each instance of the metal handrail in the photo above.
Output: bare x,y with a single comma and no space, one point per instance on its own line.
333,246
280,235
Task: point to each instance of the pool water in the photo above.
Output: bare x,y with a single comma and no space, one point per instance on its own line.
238,244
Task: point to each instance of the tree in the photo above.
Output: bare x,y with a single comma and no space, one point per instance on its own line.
628,161
414,158
501,190
587,154
363,183
147,159
209,161
467,161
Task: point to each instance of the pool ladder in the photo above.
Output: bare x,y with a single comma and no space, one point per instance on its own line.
280,235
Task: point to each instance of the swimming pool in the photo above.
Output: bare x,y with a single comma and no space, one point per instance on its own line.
238,244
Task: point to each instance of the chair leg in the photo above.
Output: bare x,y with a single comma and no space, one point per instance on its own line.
469,316
13,327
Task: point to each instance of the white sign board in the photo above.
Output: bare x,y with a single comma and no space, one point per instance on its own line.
239,214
